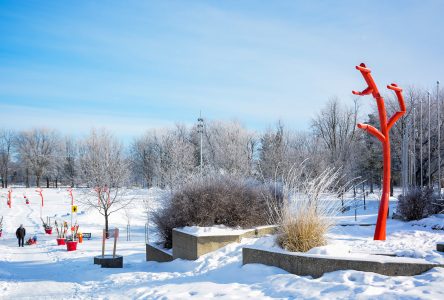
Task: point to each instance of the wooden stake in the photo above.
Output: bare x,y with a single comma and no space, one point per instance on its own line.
116,234
103,243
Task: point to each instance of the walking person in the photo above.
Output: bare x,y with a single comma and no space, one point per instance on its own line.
20,233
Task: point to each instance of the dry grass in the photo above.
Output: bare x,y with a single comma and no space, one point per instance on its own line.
303,231
309,205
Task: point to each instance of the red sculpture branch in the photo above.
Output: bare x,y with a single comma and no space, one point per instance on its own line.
383,136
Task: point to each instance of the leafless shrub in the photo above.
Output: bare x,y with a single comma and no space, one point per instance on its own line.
417,204
213,200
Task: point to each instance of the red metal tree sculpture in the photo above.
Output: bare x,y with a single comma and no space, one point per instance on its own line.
383,136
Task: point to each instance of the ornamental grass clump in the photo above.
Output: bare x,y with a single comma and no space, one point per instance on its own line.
303,231
310,203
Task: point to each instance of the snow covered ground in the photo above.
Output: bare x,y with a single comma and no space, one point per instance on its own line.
49,271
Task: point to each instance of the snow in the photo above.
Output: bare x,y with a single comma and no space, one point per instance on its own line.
210,231
49,271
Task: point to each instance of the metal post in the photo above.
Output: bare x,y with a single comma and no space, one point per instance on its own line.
439,139
414,147
72,233
200,130
420,142
404,161
363,193
430,177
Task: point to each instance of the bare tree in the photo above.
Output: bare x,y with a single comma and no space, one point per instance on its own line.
70,160
145,157
273,151
177,160
105,171
36,149
336,127
6,142
229,147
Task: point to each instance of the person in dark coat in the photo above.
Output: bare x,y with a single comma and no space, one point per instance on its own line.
20,233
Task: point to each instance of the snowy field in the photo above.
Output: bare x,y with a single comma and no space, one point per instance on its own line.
48,271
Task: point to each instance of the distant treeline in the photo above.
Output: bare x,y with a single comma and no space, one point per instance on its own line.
168,157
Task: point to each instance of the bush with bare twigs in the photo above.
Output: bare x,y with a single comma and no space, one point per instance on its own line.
417,204
213,200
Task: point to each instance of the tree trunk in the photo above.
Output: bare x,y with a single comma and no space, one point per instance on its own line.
37,180
391,187
371,185
106,225
47,182
3,183
56,183
27,178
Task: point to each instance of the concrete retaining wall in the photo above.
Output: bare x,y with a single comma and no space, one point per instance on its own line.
191,247
156,253
315,266
260,231
187,246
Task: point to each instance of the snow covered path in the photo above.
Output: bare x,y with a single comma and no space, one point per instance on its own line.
46,270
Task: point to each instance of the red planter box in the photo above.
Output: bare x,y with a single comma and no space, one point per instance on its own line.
71,245
61,242
48,230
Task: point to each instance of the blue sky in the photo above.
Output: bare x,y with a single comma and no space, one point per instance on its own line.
135,65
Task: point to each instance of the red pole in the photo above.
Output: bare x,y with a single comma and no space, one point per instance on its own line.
72,197
384,137
41,194
10,198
